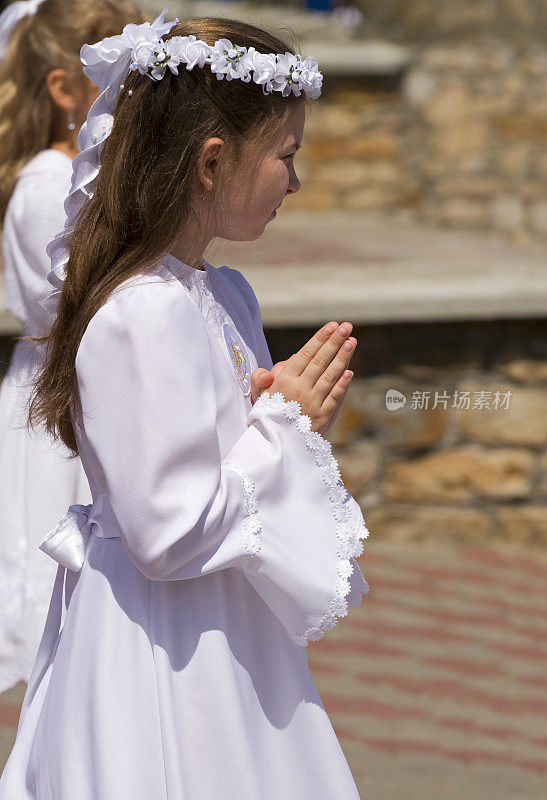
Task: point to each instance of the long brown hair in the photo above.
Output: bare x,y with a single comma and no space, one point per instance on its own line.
143,196
49,39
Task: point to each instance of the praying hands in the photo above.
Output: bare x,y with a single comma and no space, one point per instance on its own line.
316,376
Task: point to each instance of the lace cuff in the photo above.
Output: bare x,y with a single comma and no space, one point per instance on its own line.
303,528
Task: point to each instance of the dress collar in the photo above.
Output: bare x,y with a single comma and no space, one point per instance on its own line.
182,270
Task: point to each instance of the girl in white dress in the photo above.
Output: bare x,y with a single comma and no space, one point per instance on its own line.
220,539
44,98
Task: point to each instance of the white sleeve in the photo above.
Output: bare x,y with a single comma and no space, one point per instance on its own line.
35,215
274,507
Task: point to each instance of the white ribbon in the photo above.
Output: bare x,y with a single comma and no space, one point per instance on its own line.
9,18
67,542
106,64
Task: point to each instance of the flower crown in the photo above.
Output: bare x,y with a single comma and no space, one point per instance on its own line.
141,48
285,73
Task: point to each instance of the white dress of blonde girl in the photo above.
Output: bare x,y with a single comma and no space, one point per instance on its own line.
37,478
219,542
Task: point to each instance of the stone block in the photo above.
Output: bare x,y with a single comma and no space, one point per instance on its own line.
459,140
469,186
404,429
521,524
376,120
349,424
329,119
373,197
353,96
514,126
325,148
314,196
521,11
457,211
534,59
343,173
450,106
538,161
543,475
524,370
443,525
359,467
461,475
373,146
419,86
537,217
524,422
532,192
507,213
450,59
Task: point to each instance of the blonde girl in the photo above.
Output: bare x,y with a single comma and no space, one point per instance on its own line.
220,539
44,99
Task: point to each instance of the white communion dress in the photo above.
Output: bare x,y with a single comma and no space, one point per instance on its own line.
37,479
219,542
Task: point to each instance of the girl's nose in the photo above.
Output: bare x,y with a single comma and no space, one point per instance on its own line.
294,183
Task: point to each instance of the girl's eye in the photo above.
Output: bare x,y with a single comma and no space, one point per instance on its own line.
290,155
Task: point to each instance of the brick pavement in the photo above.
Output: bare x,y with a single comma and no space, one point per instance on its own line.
437,684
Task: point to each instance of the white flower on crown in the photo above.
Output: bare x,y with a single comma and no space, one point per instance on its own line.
288,76
160,60
229,61
311,77
187,50
144,42
264,66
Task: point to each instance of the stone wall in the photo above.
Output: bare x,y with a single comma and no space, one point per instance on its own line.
459,139
443,472
477,134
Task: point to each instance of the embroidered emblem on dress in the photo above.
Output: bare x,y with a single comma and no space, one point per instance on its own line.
239,357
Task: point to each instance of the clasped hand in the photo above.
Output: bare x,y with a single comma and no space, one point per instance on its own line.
316,376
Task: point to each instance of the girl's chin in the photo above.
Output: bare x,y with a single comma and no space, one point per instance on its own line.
249,235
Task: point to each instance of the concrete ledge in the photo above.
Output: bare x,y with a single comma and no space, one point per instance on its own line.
369,269
359,59
320,34
308,268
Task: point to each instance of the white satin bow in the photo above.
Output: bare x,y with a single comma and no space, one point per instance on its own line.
67,542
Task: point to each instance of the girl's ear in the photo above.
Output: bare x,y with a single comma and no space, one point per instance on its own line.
63,89
208,162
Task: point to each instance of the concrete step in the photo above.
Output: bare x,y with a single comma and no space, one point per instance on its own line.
377,269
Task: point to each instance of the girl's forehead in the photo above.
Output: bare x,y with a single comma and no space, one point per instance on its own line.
293,126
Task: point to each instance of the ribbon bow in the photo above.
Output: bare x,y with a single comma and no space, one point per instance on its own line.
106,64
66,543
